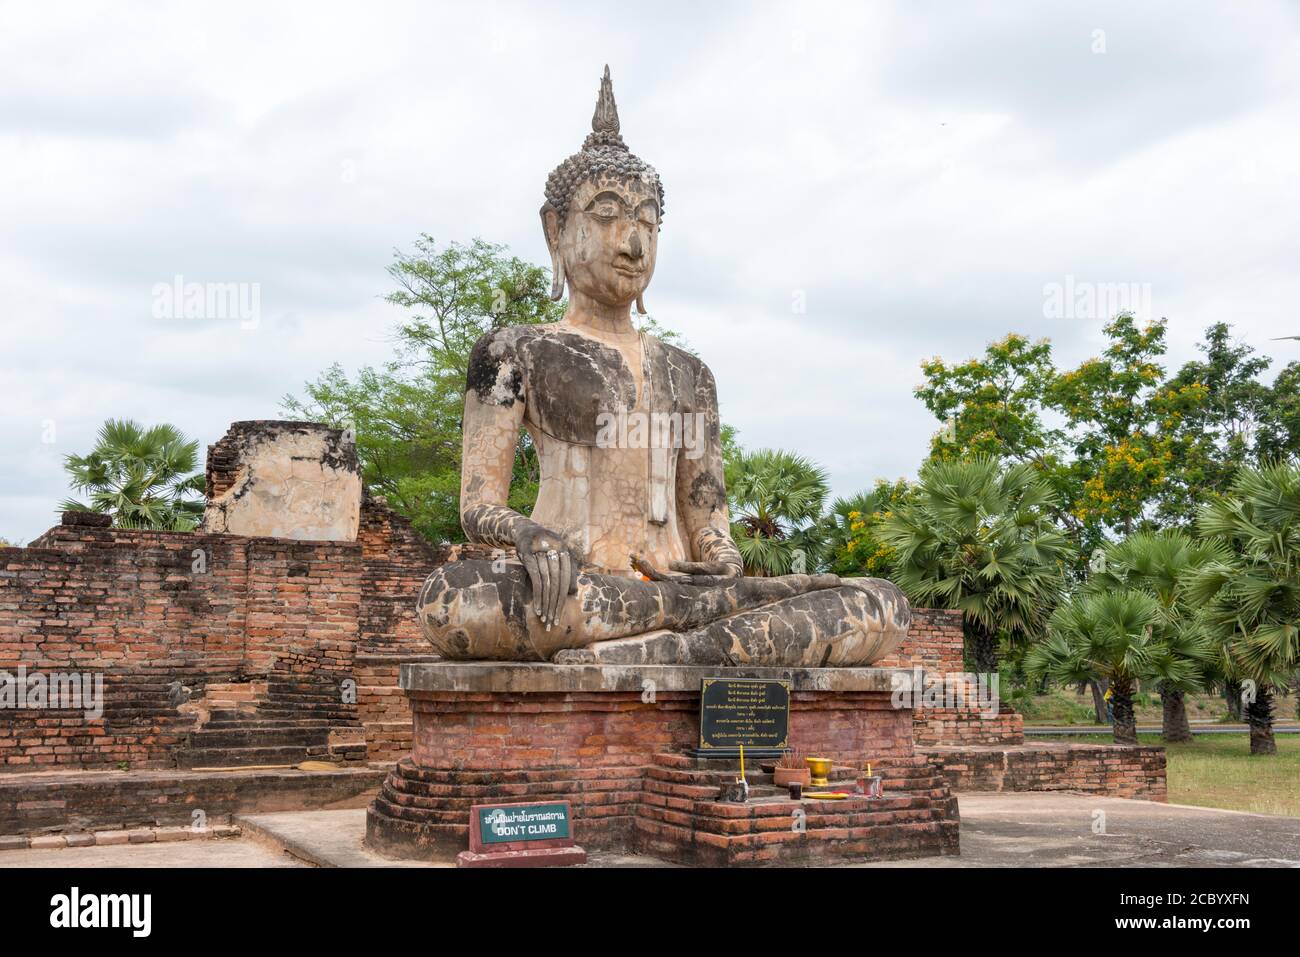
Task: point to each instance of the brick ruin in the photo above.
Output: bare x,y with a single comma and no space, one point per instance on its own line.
978,751
221,650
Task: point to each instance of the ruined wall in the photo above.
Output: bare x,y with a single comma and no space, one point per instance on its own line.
934,643
297,480
1116,771
151,610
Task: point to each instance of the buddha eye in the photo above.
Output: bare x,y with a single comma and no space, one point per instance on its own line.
605,208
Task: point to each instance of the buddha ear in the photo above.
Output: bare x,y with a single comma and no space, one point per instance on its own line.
551,229
640,306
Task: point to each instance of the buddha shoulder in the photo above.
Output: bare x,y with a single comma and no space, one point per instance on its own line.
551,368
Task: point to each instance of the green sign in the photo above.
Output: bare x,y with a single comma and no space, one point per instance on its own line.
523,822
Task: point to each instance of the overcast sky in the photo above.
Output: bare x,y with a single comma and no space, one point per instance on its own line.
914,173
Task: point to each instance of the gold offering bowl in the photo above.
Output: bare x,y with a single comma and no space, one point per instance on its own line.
820,768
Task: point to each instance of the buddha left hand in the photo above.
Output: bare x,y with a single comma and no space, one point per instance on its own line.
691,573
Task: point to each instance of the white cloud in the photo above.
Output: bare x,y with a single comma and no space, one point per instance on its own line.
917,172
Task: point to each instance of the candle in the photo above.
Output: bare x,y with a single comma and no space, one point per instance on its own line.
868,769
742,762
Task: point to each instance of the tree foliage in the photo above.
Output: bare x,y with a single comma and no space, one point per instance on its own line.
1126,447
143,477
852,530
776,501
1250,595
1107,634
979,537
407,414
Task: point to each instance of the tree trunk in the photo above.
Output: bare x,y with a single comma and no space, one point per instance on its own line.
1099,699
983,648
1174,726
1121,705
1259,715
1232,697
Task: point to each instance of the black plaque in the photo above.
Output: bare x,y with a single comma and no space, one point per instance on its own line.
754,712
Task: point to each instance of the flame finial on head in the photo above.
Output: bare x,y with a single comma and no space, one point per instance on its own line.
605,119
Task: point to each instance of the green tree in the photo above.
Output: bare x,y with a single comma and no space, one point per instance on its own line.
1108,635
1279,432
776,500
1250,597
992,405
852,530
1120,453
1225,406
1134,450
1181,658
143,477
979,538
406,415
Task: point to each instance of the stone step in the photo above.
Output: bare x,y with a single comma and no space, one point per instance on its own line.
229,723
289,736
246,757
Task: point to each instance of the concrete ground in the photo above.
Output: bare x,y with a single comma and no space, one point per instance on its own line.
227,852
1054,829
1038,829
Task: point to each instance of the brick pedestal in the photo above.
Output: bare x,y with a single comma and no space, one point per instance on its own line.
610,741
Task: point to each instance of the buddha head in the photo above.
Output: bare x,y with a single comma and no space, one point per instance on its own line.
601,215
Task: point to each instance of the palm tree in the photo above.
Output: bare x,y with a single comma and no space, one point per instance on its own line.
1104,635
1156,563
1250,597
980,539
776,500
142,477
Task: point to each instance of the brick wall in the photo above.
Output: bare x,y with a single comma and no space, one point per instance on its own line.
149,609
935,643
520,730
1116,771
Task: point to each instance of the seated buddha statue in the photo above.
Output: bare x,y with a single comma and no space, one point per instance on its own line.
627,557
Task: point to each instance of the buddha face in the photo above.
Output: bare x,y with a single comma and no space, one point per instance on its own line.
610,237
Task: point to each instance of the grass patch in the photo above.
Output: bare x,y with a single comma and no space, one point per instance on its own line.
1218,770
1061,706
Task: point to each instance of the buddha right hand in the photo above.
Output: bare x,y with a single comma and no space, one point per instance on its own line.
552,570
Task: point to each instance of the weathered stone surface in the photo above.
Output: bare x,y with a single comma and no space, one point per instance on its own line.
525,678
276,479
87,519
127,802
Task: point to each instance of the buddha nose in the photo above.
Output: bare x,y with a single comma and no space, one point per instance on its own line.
634,244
